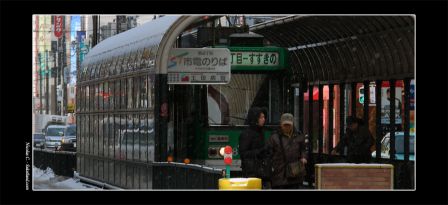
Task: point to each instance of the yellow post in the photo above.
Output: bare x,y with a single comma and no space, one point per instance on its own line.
240,184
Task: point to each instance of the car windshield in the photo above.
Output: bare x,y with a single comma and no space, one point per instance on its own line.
54,131
38,136
70,131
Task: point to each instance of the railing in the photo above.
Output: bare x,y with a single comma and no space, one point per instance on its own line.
185,176
61,162
164,175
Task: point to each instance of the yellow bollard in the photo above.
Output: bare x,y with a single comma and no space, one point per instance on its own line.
240,184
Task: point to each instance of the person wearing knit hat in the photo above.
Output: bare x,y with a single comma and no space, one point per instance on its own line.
286,124
287,147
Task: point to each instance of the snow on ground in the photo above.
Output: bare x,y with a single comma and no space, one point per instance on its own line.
46,179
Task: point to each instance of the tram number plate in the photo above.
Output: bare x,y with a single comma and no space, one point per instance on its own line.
218,138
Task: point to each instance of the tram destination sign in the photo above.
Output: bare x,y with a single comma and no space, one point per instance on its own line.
199,66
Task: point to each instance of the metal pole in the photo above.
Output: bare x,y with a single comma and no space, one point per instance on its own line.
98,36
54,69
406,118
366,102
341,110
320,132
95,29
378,119
330,117
353,93
40,82
392,119
310,130
301,102
64,64
57,76
47,101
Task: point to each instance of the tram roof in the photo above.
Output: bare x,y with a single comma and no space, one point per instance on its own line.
147,35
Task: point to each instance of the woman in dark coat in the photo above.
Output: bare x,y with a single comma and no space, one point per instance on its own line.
252,146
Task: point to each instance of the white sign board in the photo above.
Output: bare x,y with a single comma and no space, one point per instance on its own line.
199,66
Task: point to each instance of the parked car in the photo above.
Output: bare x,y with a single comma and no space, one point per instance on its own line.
38,140
68,141
53,136
399,146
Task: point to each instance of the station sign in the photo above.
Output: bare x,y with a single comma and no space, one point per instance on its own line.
254,58
199,66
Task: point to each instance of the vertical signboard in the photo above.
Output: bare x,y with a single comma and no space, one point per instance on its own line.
75,26
58,26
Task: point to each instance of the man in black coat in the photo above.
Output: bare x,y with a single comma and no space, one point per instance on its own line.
358,141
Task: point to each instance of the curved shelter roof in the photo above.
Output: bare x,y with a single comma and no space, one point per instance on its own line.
344,48
147,35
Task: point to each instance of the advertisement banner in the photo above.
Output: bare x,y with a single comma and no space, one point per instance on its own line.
74,27
80,38
385,105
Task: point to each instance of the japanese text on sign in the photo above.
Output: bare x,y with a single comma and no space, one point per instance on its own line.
58,26
218,138
255,58
199,66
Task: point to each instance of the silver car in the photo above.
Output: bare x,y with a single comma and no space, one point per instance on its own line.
53,136
68,142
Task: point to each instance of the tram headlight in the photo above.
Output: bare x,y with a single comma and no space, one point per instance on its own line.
221,151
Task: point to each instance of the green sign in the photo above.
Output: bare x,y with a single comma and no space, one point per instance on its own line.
258,58
254,58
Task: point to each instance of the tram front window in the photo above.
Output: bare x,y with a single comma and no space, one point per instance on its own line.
228,104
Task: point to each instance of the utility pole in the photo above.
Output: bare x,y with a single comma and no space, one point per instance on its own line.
98,30
120,20
95,30
58,77
40,81
64,56
53,73
47,101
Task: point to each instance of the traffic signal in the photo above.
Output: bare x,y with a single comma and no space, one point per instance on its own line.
361,95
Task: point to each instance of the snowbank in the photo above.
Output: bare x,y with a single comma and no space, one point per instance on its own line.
46,179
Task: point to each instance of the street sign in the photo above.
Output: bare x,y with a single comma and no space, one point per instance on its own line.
199,66
372,95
